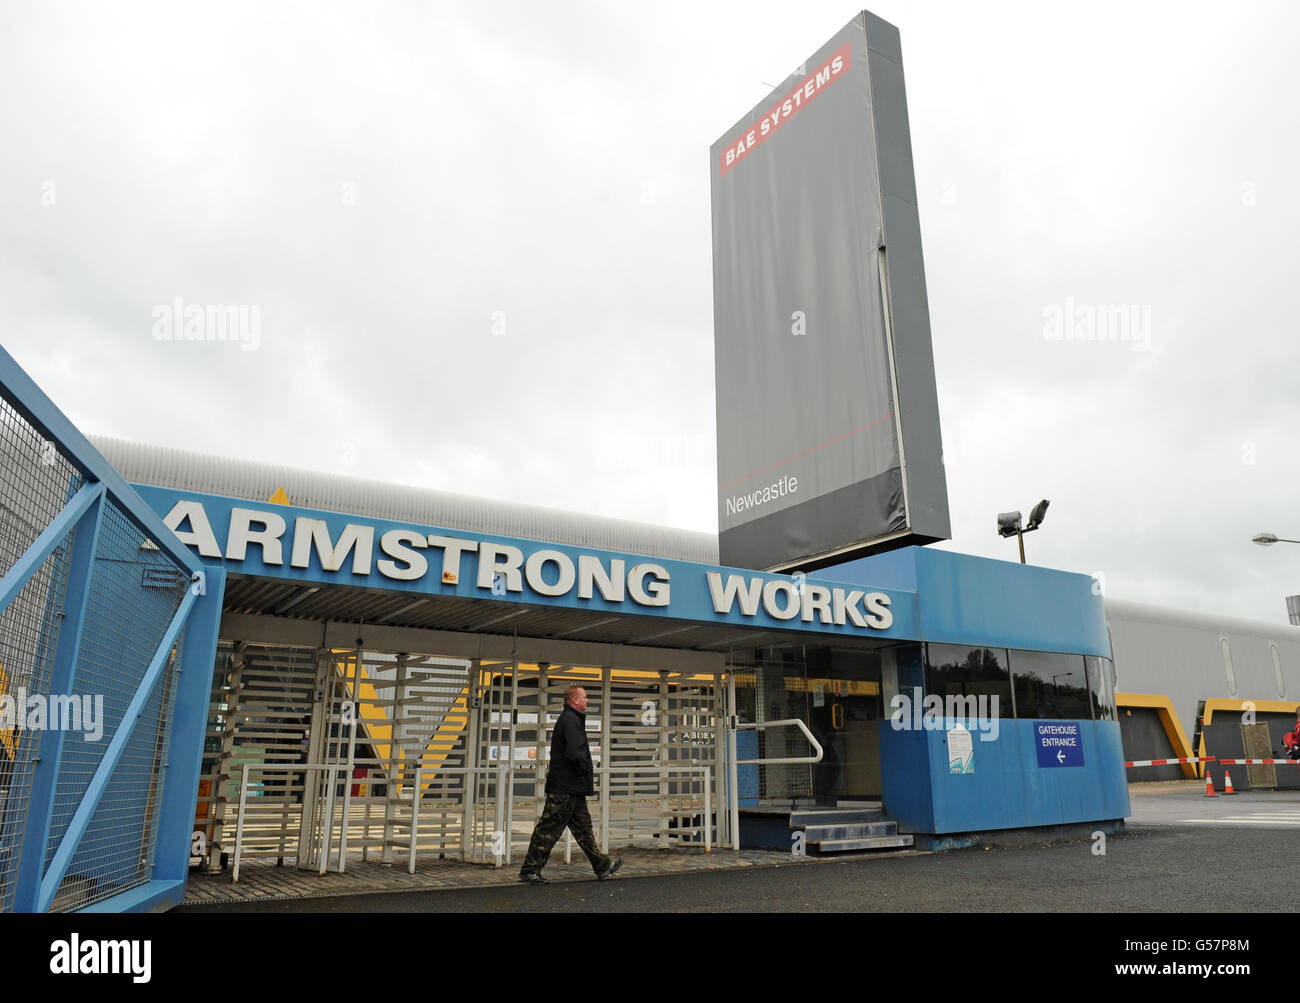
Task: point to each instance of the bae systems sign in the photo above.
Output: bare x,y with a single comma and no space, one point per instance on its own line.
827,415
795,101
290,543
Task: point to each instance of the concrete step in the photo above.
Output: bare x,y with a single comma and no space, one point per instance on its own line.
854,830
866,843
834,816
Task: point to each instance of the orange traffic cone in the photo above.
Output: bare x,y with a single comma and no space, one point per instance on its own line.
1209,786
1227,783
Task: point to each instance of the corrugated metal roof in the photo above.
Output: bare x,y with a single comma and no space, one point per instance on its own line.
1124,609
182,470
348,604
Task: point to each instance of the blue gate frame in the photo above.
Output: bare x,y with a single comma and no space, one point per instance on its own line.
170,694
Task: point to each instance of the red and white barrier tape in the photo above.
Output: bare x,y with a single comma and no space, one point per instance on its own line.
1185,759
1260,762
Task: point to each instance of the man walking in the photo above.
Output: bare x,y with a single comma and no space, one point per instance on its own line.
570,781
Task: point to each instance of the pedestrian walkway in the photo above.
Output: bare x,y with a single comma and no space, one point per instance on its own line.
1183,803
262,880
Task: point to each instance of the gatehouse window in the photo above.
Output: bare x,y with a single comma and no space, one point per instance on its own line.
962,671
1050,685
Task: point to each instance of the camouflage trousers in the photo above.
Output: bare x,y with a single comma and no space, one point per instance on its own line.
563,811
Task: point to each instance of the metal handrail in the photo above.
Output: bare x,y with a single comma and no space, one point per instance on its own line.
786,761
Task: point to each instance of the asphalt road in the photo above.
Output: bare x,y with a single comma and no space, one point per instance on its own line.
1181,852
1146,869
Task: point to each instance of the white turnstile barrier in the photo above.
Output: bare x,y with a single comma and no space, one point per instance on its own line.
333,827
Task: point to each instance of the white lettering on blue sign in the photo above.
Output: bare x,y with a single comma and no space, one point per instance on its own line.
499,568
1059,743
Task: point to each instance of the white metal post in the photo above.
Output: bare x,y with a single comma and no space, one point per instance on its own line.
498,859
392,791
708,812
568,836
328,833
415,819
316,747
543,746
509,793
662,756
239,824
468,806
606,742
355,701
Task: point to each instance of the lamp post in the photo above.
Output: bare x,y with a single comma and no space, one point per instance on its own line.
1268,539
1009,524
1292,602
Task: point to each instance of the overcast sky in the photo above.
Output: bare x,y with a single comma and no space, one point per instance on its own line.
478,238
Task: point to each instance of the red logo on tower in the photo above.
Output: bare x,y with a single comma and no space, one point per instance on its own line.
784,110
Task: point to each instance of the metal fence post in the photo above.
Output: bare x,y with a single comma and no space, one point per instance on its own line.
606,724
415,818
239,822
328,828
188,727
498,852
708,811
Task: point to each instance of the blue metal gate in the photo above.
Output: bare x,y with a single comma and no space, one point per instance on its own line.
108,625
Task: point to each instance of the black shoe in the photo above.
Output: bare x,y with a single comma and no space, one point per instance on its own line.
535,879
609,871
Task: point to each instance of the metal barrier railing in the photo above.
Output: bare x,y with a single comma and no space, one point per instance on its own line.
782,761
654,769
334,769
787,761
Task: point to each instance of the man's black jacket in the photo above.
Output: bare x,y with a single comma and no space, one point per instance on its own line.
570,771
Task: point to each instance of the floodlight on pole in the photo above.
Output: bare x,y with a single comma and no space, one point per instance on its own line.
1009,524
1037,515
1292,602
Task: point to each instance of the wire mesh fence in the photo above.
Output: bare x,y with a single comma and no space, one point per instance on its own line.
35,483
129,599
135,590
